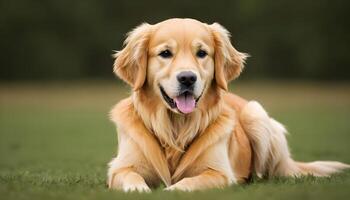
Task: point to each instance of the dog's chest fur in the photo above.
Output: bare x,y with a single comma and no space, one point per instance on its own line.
181,132
173,157
174,132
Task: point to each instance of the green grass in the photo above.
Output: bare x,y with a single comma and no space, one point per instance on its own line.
55,140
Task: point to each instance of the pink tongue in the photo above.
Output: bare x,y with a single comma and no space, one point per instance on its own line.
185,103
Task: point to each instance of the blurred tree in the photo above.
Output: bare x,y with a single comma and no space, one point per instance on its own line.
61,39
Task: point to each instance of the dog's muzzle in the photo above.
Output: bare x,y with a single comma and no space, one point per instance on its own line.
185,102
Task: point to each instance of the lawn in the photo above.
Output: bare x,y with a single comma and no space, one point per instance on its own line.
56,138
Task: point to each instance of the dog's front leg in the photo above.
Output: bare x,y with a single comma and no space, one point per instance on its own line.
126,171
128,180
208,179
206,164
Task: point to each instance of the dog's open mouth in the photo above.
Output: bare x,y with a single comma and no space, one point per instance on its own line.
185,102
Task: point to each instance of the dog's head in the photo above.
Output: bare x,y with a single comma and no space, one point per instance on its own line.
179,59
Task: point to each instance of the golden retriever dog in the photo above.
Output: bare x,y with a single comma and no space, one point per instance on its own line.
181,126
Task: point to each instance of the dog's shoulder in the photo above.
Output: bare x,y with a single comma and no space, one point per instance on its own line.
122,110
234,101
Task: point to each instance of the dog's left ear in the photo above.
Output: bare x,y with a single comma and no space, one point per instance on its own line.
229,63
131,62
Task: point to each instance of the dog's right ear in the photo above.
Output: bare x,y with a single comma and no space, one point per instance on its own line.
131,62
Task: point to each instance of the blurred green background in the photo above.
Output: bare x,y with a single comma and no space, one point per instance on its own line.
56,140
57,87
64,39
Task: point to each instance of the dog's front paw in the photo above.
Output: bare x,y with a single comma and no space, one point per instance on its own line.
180,186
136,188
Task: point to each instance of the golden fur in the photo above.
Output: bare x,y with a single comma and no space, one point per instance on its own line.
222,142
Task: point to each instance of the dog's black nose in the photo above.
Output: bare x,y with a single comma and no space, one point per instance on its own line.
187,78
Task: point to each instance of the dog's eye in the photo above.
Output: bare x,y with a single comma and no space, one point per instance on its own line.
201,53
165,54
